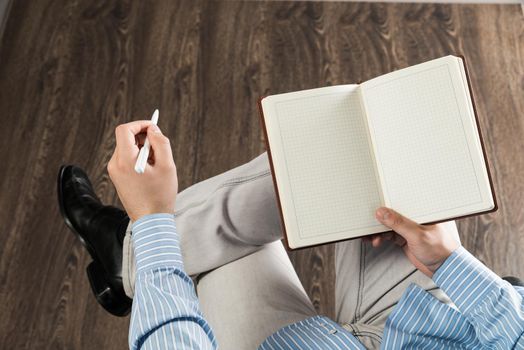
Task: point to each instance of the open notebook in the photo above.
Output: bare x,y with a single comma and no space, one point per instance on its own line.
408,140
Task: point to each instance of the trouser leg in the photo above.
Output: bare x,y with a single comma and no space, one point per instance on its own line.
221,219
249,299
370,282
229,225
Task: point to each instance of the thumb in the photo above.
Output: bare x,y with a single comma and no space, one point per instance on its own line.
160,145
398,223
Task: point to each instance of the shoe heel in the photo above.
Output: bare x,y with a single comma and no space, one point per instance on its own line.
104,293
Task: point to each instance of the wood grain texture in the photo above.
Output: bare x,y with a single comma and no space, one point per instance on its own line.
70,71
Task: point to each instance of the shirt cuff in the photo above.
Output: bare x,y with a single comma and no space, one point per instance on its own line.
156,243
466,280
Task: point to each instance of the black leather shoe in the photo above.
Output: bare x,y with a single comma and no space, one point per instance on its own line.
101,229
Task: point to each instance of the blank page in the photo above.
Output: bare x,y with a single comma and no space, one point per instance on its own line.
323,164
426,142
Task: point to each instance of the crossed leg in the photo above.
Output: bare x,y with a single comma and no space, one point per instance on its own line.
229,225
230,237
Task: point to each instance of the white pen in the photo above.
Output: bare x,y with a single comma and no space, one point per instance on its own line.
141,161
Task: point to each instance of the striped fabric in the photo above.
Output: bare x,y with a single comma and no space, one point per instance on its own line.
165,312
489,312
313,333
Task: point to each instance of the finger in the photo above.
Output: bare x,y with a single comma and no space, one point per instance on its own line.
160,146
399,240
369,238
380,238
398,223
376,241
125,138
388,235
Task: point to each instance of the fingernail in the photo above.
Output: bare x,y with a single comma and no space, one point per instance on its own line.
155,128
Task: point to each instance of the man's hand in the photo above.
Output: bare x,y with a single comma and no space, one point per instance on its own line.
155,190
426,246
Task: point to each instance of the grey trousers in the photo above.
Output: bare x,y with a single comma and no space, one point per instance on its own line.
230,236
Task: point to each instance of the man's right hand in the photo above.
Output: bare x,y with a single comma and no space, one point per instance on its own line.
426,246
155,190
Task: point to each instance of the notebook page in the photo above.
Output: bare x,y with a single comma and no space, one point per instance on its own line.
323,164
425,142
470,112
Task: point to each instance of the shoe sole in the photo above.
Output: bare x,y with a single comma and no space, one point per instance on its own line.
104,294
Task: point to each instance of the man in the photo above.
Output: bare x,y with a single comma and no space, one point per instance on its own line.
415,288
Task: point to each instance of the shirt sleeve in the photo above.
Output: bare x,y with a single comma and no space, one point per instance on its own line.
493,306
165,312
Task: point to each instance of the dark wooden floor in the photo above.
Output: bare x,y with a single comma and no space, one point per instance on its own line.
70,71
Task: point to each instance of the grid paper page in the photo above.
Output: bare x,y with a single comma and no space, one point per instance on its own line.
329,163
421,144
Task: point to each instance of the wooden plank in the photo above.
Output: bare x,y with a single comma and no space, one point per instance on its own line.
71,71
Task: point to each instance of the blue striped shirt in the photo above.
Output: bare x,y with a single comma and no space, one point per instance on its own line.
489,312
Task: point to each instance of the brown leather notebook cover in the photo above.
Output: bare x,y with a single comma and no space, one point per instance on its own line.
268,149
